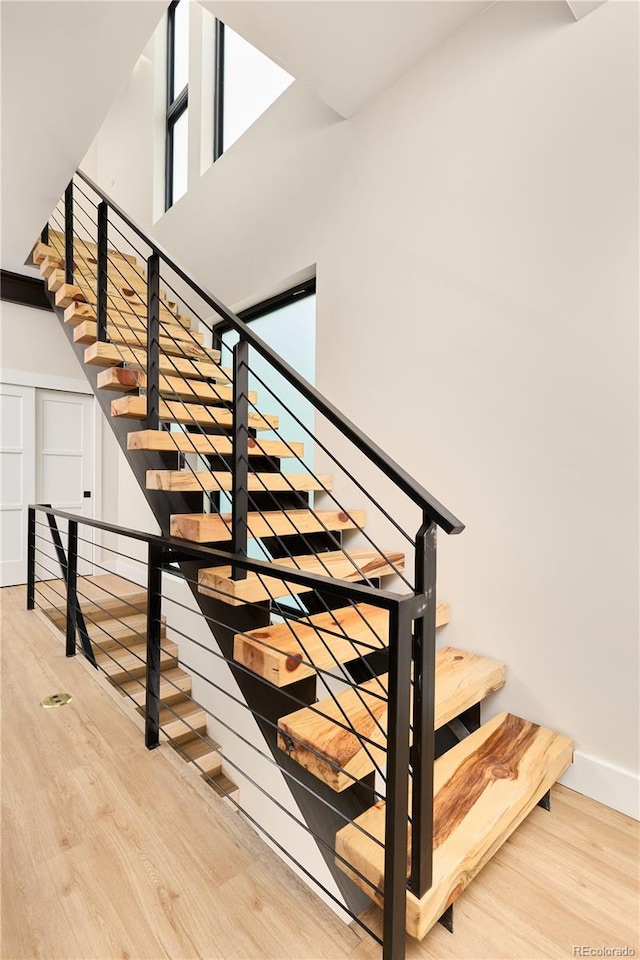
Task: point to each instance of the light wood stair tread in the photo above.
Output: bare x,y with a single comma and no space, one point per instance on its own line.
203,751
87,332
101,354
119,301
132,661
217,582
78,313
484,788
179,411
282,652
214,528
123,379
182,720
119,277
174,684
58,239
210,481
168,441
316,737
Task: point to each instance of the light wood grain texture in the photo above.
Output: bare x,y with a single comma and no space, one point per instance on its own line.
67,293
217,582
89,869
204,480
77,313
87,332
178,411
344,739
100,354
101,597
283,653
123,379
56,244
163,440
484,788
214,528
122,664
121,279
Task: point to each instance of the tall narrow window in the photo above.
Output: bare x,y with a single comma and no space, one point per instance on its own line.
247,83
177,100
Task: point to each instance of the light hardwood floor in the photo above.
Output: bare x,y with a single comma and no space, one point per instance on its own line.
111,851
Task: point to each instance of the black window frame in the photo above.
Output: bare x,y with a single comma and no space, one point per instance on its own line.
307,288
176,105
218,94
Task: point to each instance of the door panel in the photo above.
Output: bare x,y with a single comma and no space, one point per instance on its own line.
17,479
65,465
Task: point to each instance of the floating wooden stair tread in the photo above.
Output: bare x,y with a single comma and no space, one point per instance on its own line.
121,280
68,293
484,788
57,239
87,332
108,354
217,582
79,313
166,441
123,379
282,652
104,609
178,411
206,481
316,738
214,528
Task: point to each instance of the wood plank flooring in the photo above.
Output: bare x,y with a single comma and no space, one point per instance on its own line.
112,851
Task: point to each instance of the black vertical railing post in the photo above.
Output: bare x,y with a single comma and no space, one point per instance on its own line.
44,236
68,234
397,801
72,586
423,751
153,342
102,279
240,469
31,559
154,628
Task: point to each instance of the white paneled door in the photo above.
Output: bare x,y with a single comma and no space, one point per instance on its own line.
17,479
65,466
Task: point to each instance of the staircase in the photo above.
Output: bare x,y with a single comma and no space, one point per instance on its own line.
116,610
316,645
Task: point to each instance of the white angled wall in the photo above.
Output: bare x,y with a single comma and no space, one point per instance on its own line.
475,234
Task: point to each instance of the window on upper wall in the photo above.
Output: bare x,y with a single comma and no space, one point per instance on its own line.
177,101
246,83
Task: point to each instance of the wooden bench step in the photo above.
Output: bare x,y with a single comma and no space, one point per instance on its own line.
282,653
317,740
101,354
121,665
174,684
203,751
217,582
87,332
484,788
214,528
178,411
124,379
182,720
166,441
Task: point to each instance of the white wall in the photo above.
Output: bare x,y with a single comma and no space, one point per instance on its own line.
475,234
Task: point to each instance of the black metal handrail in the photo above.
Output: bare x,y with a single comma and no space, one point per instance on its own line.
415,491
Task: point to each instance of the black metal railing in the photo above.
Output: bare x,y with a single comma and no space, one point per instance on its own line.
134,315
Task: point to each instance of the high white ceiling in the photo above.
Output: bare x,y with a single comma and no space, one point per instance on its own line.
63,64
347,52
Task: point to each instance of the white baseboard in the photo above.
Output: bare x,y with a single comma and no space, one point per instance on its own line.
614,786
